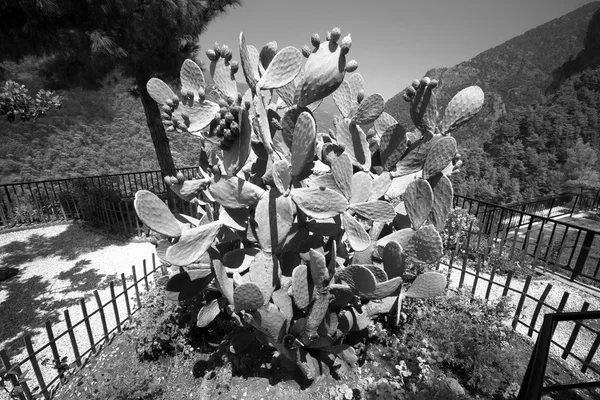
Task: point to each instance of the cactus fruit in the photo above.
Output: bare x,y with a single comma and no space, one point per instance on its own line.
315,40
345,44
335,34
351,66
360,96
302,232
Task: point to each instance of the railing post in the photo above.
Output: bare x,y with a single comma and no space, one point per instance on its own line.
550,210
574,204
533,381
583,254
25,393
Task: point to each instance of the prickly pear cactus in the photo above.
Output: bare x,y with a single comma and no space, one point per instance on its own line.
292,219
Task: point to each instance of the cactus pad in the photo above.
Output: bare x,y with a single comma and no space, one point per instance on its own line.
323,73
369,110
360,187
193,243
189,189
392,145
159,91
223,78
423,107
238,153
380,211
325,227
355,142
267,53
379,273
383,122
200,115
418,199
282,176
425,245
357,236
303,143
188,284
155,214
302,286
264,273
357,84
464,106
385,289
247,296
282,70
233,192
442,201
283,302
383,306
401,236
209,311
341,169
428,284
318,268
440,155
274,216
380,185
249,63
192,78
234,218
271,321
393,259
358,277
319,202
343,99
225,283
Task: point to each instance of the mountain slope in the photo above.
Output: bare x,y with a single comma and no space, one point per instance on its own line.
514,74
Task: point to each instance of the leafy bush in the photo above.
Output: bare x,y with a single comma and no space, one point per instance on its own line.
464,337
89,195
457,225
121,382
15,101
520,262
162,327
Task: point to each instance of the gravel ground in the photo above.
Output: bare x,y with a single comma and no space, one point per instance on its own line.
57,266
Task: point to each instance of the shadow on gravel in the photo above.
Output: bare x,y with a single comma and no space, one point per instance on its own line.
26,308
75,241
82,280
29,299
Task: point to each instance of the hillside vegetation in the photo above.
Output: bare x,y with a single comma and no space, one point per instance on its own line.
538,132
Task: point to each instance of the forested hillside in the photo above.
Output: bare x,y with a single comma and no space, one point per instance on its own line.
541,112
96,132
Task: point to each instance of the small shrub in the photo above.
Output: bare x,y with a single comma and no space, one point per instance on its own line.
89,195
466,338
162,327
122,382
457,225
520,263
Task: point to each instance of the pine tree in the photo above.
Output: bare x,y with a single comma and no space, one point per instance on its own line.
87,39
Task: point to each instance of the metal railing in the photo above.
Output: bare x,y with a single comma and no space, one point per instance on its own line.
105,200
561,247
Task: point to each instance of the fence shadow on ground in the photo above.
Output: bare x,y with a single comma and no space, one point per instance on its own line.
27,299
